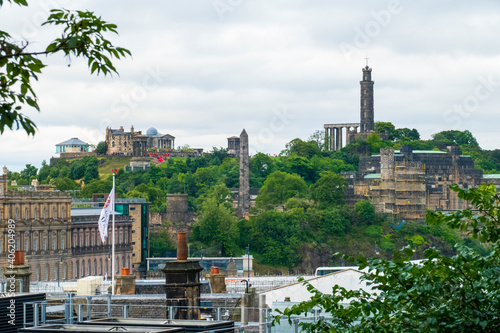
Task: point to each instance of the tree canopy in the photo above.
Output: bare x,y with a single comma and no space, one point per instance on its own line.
456,293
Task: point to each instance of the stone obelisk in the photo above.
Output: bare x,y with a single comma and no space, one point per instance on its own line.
244,190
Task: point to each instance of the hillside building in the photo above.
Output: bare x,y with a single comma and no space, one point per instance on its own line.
134,143
406,183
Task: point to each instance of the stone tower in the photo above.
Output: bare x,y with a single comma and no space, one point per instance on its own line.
367,117
244,190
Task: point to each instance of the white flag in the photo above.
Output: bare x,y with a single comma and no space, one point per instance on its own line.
104,218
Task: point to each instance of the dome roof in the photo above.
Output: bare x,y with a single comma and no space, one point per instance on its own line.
151,132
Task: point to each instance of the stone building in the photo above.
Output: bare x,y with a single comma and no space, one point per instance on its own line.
134,143
407,182
42,224
233,146
89,255
135,208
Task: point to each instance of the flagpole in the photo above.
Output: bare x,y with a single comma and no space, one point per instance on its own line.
113,244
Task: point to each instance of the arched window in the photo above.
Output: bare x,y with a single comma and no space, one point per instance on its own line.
63,241
65,270
121,237
125,238
123,261
94,267
17,213
81,237
56,272
92,238
25,213
88,267
44,212
37,273
36,213
75,243
77,266
54,241
44,242
100,266
86,238
53,212
35,242
47,270
83,268
26,242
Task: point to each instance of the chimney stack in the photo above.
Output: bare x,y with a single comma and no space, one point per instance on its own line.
181,246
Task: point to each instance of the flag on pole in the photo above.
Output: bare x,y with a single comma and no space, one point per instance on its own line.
106,211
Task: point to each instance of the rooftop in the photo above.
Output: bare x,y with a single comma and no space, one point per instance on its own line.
72,142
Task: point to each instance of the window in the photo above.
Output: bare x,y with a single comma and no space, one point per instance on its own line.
1,249
36,213
26,242
44,243
92,238
47,272
100,266
26,213
17,243
53,212
77,264
83,268
63,242
88,267
65,270
56,272
17,213
121,237
54,241
112,144
87,238
94,267
44,212
37,273
81,238
63,213
75,243
35,243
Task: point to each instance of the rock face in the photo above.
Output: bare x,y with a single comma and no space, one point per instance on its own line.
244,190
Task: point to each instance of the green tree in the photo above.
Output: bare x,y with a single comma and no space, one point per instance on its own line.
329,190
278,188
217,225
441,294
82,35
102,148
91,172
160,242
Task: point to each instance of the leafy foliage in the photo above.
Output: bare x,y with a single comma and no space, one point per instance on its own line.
82,36
441,294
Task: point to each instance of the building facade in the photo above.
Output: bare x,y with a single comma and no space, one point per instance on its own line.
89,255
42,228
134,143
405,183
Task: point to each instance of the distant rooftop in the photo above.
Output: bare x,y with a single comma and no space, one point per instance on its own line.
492,176
73,142
372,176
88,212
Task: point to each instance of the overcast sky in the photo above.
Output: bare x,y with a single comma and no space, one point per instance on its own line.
204,70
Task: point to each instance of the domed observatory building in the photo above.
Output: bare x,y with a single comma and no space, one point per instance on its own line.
135,143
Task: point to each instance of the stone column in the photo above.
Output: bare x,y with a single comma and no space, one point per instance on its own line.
340,137
332,138
326,139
